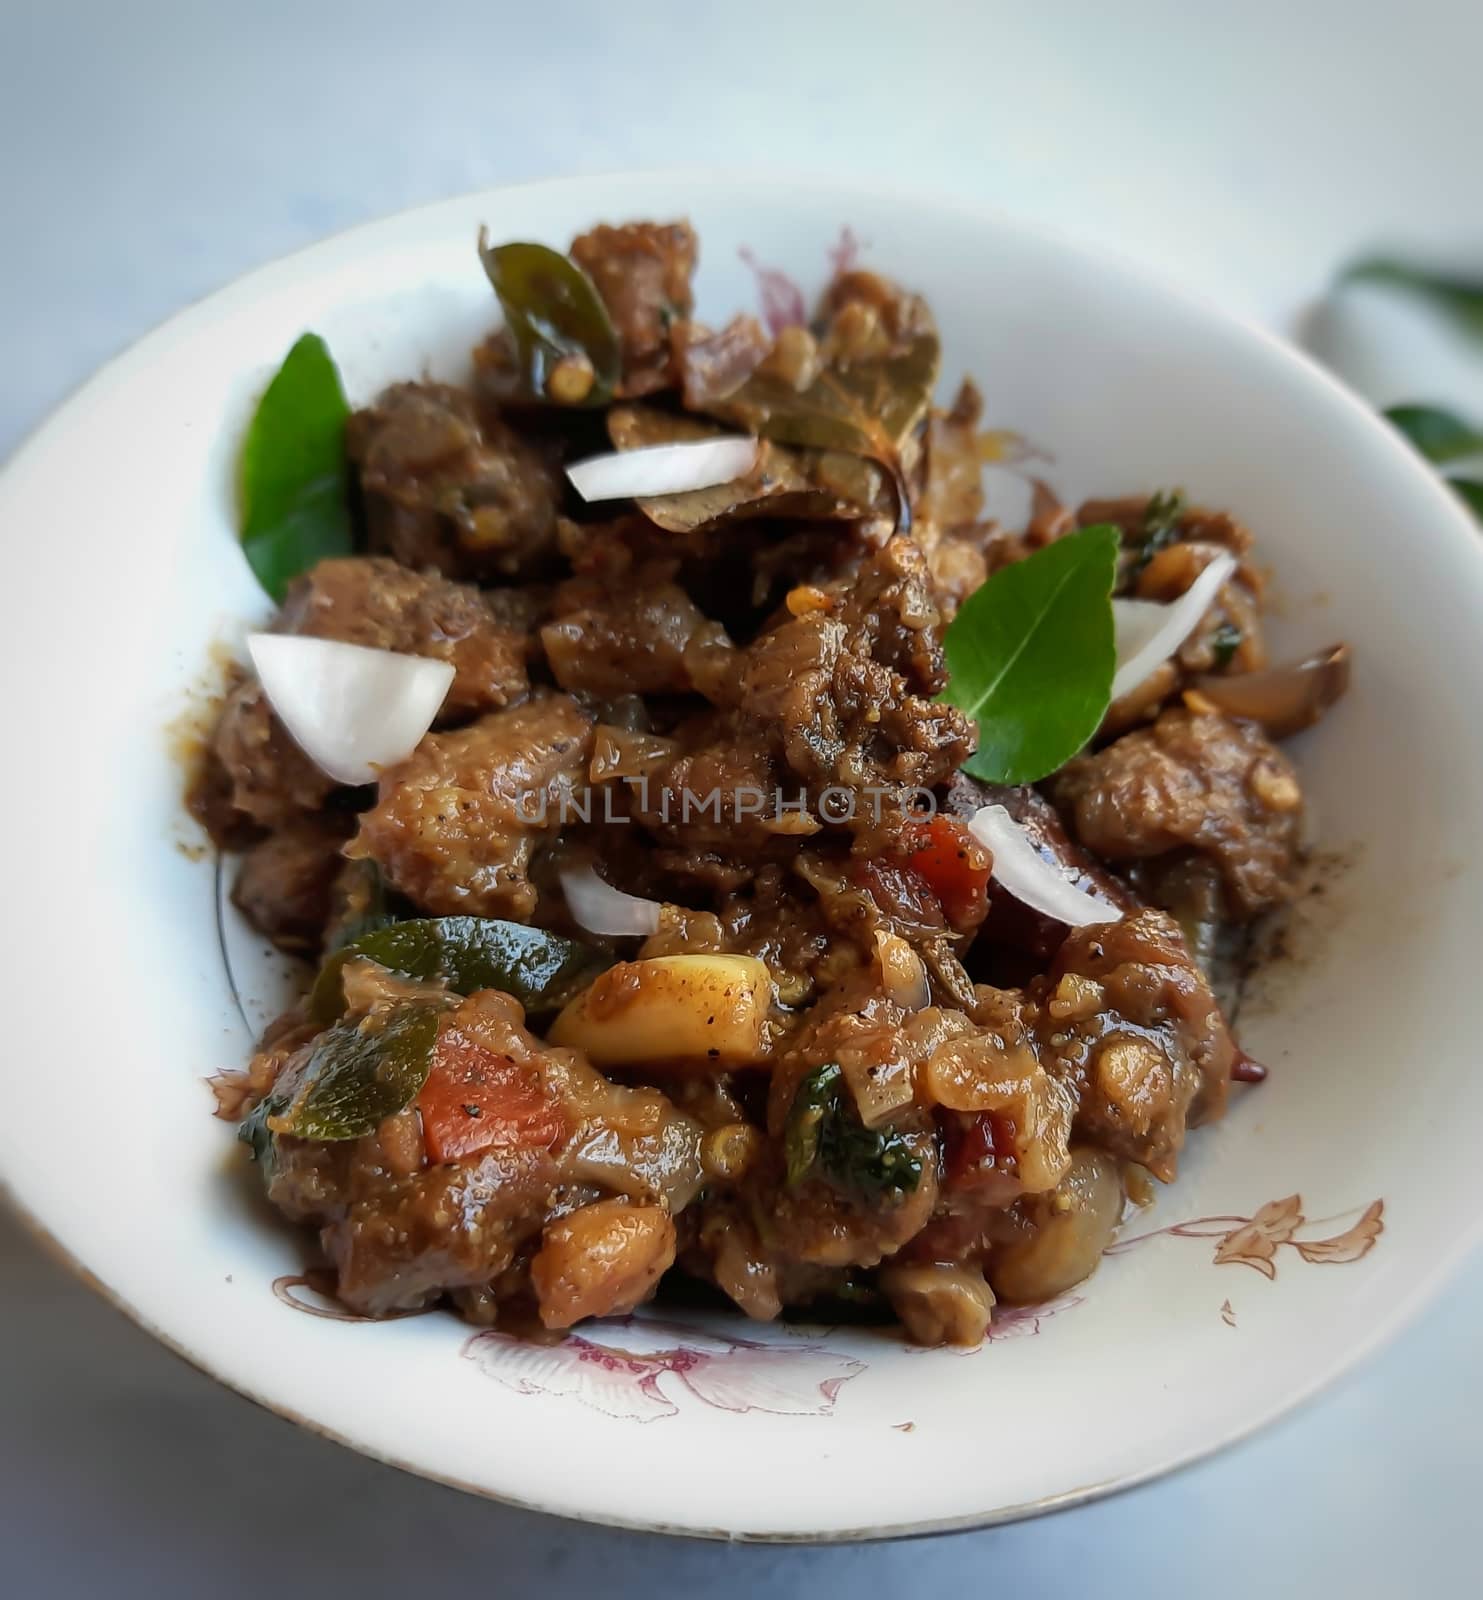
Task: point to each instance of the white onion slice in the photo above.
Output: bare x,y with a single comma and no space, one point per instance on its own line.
351,709
1040,884
663,469
600,908
1149,633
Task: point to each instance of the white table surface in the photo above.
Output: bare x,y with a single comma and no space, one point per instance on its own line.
152,152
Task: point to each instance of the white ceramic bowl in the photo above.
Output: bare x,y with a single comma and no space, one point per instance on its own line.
1304,1228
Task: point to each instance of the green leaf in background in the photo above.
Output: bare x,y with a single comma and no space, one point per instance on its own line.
1471,491
1440,436
1030,654
1460,298
542,970
295,510
568,347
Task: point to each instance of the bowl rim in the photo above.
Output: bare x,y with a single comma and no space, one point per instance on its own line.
1094,257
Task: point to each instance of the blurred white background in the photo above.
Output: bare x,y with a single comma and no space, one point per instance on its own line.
150,152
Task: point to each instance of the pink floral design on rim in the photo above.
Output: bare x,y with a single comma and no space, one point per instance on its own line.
641,1369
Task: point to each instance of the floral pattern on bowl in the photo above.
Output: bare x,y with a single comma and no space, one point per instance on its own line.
641,1368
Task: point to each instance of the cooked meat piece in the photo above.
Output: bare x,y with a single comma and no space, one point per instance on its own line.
1192,780
718,794
284,885
265,775
521,611
400,1233
255,769
372,600
447,488
456,824
846,692
815,1224
1009,921
398,1241
1128,1020
642,271
631,641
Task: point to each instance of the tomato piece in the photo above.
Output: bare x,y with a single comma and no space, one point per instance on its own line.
981,1160
475,1099
956,867
900,891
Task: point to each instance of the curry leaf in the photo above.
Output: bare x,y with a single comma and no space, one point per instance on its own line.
868,406
557,319
795,483
815,1097
294,506
824,1133
542,970
1460,298
355,1075
1439,435
1030,654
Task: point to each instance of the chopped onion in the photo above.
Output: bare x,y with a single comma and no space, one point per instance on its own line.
663,469
903,977
353,710
879,1088
600,908
1040,884
1149,633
